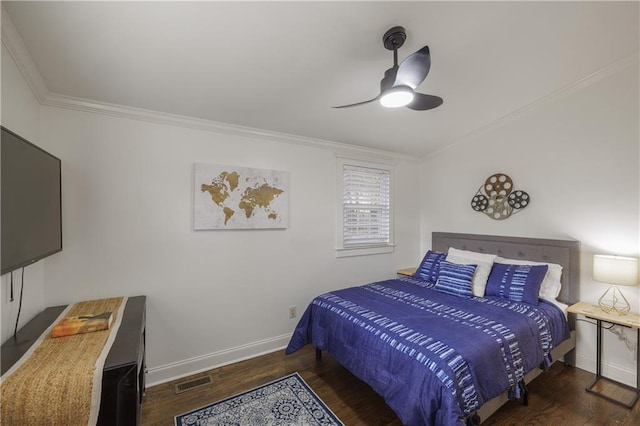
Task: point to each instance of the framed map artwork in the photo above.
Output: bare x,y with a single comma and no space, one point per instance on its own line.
229,197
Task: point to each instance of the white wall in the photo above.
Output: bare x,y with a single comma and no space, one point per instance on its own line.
213,296
577,155
20,114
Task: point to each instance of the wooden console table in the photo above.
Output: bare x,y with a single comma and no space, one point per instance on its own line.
124,368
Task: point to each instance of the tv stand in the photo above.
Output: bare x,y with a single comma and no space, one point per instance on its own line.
124,369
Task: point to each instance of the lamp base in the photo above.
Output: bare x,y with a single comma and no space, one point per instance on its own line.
614,301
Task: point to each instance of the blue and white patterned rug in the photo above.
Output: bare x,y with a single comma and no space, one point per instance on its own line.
286,401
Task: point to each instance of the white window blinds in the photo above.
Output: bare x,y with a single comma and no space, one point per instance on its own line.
366,206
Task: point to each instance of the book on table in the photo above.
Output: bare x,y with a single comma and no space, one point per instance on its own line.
69,326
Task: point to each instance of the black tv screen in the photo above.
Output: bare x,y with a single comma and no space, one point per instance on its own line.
31,206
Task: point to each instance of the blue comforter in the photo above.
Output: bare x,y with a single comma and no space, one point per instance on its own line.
435,358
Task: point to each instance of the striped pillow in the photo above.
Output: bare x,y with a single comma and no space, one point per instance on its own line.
552,282
455,279
430,266
518,283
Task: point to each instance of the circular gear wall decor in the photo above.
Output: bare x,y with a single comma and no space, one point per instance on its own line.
497,198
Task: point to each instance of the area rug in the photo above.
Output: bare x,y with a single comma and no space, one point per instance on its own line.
286,401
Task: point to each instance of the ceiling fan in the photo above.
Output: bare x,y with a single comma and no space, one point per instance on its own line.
397,86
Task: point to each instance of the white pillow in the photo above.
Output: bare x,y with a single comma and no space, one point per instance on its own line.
484,262
550,287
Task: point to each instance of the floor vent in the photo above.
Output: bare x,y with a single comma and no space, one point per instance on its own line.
193,384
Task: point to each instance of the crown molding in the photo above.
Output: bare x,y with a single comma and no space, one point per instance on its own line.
604,72
140,114
22,58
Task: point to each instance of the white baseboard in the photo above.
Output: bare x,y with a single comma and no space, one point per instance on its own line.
612,371
177,370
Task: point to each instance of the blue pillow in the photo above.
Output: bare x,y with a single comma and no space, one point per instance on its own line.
518,283
430,265
455,279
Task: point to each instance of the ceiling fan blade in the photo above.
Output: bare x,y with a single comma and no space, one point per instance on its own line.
423,102
359,103
414,69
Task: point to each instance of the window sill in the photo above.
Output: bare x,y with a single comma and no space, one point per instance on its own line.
364,250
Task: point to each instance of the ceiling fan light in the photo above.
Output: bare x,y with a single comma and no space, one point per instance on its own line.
397,97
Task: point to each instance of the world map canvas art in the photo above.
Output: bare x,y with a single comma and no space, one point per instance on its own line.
229,197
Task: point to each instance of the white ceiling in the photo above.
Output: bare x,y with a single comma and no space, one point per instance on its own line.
280,66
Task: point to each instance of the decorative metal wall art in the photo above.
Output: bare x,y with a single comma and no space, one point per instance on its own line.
497,198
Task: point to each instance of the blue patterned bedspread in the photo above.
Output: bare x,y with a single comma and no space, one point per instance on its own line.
435,358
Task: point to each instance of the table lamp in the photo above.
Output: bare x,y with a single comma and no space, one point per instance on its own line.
615,270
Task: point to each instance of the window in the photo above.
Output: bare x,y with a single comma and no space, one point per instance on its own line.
365,209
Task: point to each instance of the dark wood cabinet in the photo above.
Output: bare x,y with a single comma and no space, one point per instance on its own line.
124,369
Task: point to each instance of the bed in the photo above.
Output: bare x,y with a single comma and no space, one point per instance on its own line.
438,358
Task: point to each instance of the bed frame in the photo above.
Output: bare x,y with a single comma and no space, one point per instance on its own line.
563,252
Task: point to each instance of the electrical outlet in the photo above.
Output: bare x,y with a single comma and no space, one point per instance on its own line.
292,312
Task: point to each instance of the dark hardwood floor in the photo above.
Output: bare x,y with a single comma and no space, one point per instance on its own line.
557,397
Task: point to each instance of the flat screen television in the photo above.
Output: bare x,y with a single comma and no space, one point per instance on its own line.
31,206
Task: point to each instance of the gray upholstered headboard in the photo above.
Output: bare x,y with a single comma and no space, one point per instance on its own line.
563,252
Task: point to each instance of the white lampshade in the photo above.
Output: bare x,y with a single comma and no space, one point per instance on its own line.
615,269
